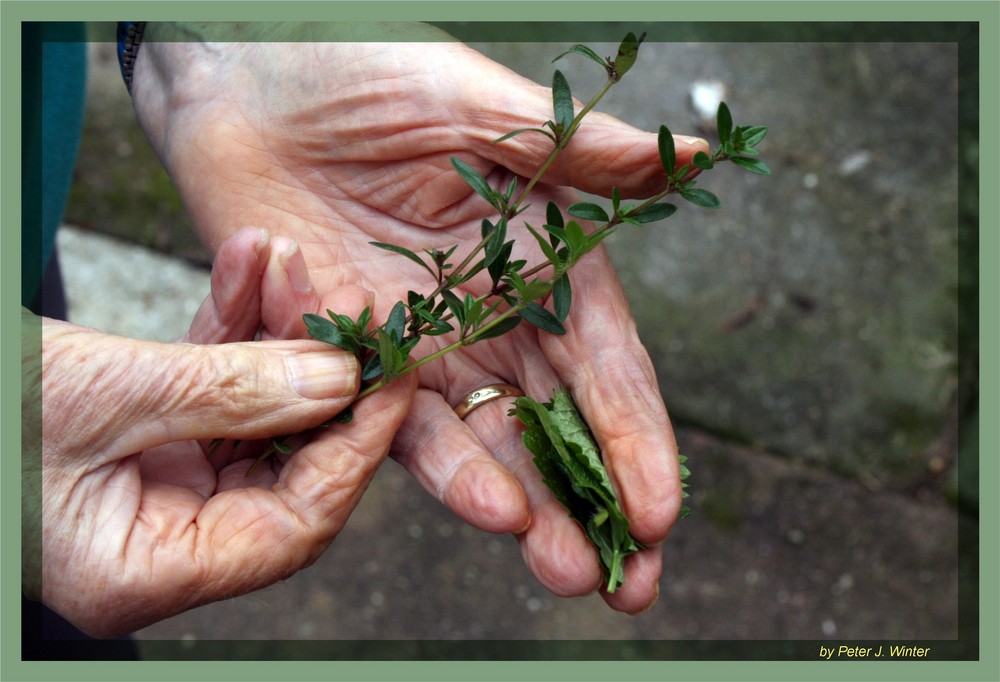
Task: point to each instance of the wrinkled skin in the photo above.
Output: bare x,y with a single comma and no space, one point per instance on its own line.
340,144
137,523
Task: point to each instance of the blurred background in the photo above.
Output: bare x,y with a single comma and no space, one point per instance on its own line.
808,337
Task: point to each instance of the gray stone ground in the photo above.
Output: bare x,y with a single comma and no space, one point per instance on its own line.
805,337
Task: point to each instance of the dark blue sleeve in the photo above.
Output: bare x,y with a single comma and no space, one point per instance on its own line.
53,97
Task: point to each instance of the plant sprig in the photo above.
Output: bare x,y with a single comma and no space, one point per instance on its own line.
558,436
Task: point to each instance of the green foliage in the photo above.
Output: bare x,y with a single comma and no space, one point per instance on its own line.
476,181
572,466
542,318
668,154
562,102
628,51
567,456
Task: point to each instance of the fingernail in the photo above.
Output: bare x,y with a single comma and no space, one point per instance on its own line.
692,141
650,605
321,375
260,248
295,268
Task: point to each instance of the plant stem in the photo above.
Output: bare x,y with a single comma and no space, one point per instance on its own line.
512,209
562,142
464,341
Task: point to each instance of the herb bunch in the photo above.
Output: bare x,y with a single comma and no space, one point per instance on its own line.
519,292
566,454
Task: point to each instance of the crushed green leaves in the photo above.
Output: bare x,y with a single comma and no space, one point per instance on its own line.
570,463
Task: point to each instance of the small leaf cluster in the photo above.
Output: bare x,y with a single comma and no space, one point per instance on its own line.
382,351
501,201
628,52
685,474
565,120
736,144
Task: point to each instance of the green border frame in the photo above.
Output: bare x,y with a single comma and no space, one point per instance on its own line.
455,15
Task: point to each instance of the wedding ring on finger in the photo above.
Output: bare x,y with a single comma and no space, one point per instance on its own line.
483,395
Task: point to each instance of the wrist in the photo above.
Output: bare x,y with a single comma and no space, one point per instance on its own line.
160,72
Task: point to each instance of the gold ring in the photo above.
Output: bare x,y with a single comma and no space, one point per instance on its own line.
483,395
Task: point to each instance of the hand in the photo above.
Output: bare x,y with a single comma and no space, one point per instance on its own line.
139,520
340,144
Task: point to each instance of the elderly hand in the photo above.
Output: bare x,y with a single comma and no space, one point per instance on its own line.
340,144
138,520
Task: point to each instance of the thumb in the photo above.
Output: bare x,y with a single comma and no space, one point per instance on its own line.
122,395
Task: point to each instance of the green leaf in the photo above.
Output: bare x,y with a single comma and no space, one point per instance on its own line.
440,259
528,291
585,51
498,266
421,310
554,475
701,197
668,156
281,446
542,318
701,160
562,297
395,325
524,130
473,311
372,370
685,474
500,328
511,186
553,216
439,327
364,319
545,245
391,354
495,245
557,234
752,135
405,252
387,356
653,213
320,328
616,200
416,301
588,211
628,50
724,124
455,305
476,181
576,239
753,165
562,102
323,329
